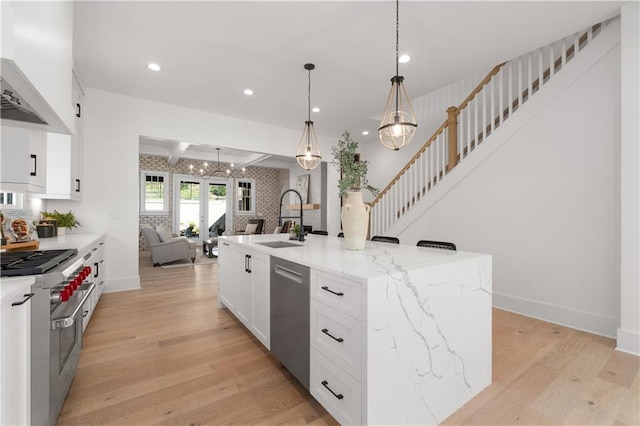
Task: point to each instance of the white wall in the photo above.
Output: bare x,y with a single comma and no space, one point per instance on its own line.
546,205
628,336
112,126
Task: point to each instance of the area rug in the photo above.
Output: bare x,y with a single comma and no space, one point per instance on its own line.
200,260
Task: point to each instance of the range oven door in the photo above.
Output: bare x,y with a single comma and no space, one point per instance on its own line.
65,345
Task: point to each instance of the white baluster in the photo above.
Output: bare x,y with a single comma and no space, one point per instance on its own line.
564,52
510,91
468,138
484,115
475,120
520,82
576,44
589,35
540,67
491,88
530,81
500,94
552,62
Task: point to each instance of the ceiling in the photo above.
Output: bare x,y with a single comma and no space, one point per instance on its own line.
210,51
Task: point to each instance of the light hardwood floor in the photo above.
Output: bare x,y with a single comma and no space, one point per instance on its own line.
166,354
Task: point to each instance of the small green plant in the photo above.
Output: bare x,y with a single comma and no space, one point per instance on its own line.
353,171
65,220
296,229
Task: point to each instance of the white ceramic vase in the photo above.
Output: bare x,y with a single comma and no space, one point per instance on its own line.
355,221
62,231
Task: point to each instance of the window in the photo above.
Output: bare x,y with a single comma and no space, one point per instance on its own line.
246,196
154,192
9,199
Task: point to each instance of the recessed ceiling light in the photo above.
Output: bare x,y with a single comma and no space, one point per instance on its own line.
154,67
248,92
404,59
365,133
315,109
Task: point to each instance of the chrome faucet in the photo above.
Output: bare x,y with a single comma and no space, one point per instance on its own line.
301,234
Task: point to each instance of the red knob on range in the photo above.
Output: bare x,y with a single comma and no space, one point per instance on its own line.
82,275
76,283
69,289
88,269
64,295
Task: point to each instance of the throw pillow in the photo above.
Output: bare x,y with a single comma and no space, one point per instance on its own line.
164,233
277,230
251,228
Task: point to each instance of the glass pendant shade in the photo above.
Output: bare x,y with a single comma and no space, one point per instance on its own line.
308,154
398,122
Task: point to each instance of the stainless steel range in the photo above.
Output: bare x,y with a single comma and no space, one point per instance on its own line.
63,284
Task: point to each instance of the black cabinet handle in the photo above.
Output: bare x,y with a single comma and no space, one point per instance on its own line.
325,288
34,157
84,314
78,111
26,297
249,263
246,263
325,384
97,265
77,185
338,339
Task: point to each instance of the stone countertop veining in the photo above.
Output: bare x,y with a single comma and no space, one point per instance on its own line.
329,254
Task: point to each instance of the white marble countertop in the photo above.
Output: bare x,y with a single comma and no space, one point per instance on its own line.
69,241
329,254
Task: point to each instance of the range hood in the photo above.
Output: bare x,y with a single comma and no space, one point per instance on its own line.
21,103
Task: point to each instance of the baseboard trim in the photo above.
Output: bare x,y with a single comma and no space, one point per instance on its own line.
580,320
123,284
628,341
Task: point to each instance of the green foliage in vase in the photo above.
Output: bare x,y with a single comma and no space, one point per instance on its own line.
65,220
353,171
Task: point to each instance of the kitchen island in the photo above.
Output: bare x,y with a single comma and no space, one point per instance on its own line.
414,323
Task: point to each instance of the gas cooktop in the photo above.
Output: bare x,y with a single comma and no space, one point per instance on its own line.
32,262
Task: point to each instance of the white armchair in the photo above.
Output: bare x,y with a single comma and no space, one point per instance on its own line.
168,251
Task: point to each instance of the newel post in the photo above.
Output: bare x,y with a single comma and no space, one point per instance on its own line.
452,127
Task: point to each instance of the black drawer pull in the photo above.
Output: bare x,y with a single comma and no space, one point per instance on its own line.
339,395
35,165
325,288
84,314
26,297
339,339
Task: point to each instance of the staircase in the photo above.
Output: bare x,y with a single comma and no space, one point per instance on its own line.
499,96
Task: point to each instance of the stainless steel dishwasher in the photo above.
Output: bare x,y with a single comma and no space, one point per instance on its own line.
290,317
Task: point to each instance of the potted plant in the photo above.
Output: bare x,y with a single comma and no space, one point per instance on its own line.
64,220
353,178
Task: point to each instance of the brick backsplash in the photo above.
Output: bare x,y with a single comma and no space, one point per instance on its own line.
269,184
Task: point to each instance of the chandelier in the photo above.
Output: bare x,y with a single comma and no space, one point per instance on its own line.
308,154
205,172
398,122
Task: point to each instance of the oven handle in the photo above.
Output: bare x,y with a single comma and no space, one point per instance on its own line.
68,321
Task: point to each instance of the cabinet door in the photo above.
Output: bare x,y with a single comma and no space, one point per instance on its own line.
242,287
15,359
232,272
23,160
260,298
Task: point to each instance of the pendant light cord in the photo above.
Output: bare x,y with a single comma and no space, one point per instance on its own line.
397,34
309,98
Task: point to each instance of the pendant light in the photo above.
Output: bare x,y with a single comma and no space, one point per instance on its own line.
398,122
308,154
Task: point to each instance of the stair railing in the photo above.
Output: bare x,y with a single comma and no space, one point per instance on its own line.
496,98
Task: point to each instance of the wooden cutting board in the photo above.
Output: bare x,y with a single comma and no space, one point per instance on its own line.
27,245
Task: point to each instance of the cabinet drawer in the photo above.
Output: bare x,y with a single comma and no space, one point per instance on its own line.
339,393
343,294
337,336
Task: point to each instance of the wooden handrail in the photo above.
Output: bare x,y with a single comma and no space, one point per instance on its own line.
413,160
479,87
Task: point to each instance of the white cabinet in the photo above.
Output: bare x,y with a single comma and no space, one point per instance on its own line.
244,287
336,345
23,160
97,277
15,354
64,156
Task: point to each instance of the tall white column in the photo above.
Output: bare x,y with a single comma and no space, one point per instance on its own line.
628,338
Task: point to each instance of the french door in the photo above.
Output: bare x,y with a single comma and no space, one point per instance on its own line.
201,206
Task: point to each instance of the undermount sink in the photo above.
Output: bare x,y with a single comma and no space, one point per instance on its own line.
279,244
